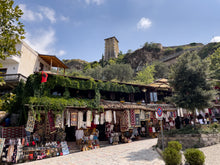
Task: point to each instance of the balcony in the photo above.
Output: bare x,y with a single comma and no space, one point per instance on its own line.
13,77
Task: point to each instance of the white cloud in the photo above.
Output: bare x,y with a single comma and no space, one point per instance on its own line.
49,13
61,53
144,23
97,2
42,41
63,18
30,15
215,39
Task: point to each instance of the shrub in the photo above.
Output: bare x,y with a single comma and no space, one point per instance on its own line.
172,156
179,49
175,145
169,51
194,156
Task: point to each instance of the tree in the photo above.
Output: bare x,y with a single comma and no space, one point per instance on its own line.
190,81
95,73
146,76
161,70
120,72
215,63
11,29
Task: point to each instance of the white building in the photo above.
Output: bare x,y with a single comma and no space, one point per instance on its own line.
16,67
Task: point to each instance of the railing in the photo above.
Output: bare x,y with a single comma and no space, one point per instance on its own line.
13,77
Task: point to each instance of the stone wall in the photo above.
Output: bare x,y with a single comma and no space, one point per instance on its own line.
191,140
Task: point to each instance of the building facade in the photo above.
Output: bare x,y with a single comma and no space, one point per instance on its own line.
19,67
111,48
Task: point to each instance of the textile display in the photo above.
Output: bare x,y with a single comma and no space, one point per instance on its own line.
147,115
137,111
132,117
12,132
108,116
2,142
96,119
51,121
79,134
19,151
65,149
73,118
142,116
114,116
58,123
30,122
10,153
129,118
124,121
80,120
102,120
88,118
14,154
137,120
44,76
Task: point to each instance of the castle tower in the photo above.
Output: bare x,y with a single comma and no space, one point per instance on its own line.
111,48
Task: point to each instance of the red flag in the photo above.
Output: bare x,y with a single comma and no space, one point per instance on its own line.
44,76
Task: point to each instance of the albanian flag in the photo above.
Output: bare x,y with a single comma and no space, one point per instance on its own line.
44,76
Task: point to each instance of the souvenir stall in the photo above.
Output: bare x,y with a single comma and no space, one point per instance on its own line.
125,121
85,123
44,139
169,115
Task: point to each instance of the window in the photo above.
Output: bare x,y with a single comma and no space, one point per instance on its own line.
3,70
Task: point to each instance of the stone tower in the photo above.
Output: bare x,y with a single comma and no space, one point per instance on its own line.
111,48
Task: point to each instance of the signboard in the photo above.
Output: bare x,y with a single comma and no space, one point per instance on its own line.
159,111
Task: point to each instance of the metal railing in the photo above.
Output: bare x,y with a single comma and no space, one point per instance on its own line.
12,77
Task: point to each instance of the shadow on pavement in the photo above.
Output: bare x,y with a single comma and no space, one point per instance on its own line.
144,154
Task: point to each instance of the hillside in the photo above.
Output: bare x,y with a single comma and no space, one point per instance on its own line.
75,64
151,52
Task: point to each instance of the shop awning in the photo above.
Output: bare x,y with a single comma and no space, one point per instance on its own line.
161,83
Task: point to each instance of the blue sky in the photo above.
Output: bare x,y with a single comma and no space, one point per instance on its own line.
76,29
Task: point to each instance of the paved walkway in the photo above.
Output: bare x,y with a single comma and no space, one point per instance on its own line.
212,154
135,153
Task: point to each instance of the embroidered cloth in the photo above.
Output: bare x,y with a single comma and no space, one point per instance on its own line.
73,118
88,118
30,122
132,115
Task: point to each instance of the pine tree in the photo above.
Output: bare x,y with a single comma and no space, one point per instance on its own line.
190,80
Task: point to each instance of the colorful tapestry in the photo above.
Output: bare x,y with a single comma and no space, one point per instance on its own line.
137,120
73,118
88,118
132,117
51,121
129,118
12,132
124,121
30,122
58,123
2,142
147,115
